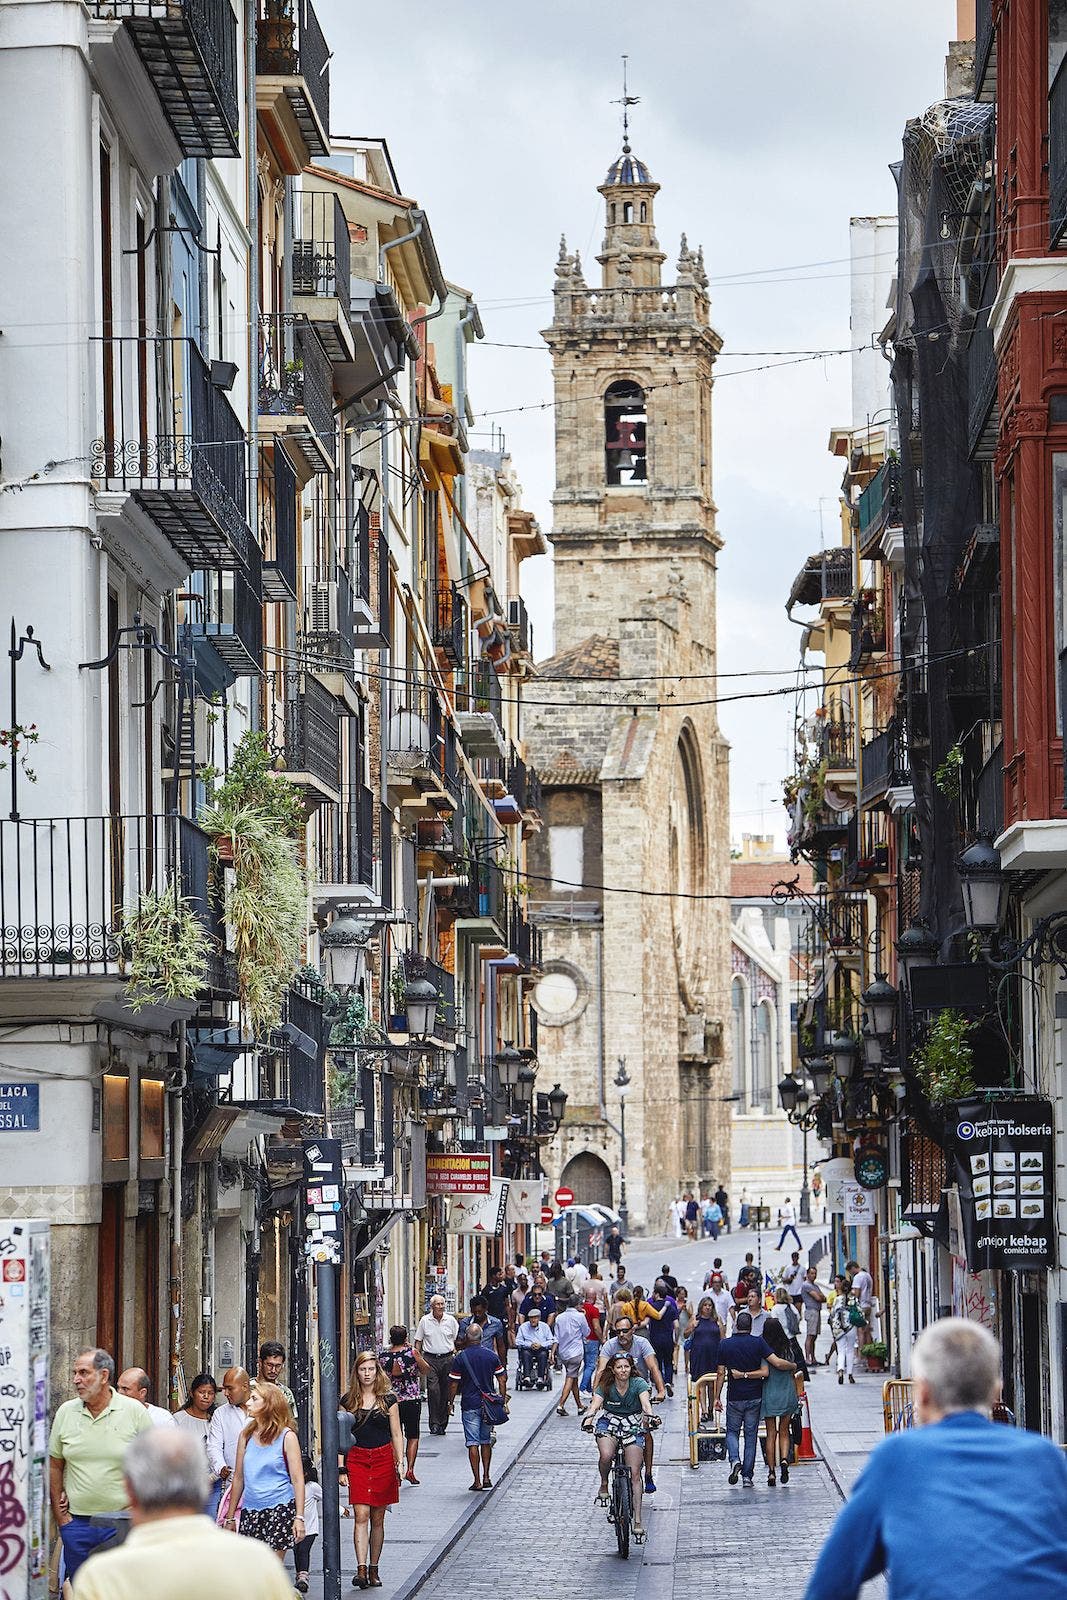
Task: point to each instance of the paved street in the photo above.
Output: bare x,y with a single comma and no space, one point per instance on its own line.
699,1528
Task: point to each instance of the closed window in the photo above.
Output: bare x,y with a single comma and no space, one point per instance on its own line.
566,852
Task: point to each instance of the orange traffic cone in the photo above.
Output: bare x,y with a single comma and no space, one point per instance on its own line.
806,1448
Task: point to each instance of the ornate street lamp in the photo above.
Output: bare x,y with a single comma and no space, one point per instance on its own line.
420,1003
844,1052
820,1070
343,944
879,1002
789,1093
557,1104
508,1065
985,892
524,1088
916,947
873,1055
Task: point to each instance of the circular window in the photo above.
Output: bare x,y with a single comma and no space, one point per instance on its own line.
560,995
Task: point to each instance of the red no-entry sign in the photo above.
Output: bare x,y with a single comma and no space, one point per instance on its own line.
564,1197
546,1214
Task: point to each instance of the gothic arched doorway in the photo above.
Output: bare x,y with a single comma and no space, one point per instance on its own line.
589,1178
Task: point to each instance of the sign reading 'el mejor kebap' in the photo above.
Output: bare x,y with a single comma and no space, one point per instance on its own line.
467,1173
1005,1170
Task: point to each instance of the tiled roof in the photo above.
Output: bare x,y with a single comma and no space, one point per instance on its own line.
564,774
754,880
595,657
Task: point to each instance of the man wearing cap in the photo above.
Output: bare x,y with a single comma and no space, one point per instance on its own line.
534,1342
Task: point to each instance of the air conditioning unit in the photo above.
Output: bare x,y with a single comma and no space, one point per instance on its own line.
323,609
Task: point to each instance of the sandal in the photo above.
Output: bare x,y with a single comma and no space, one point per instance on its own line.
602,1500
561,1411
771,1480
638,1533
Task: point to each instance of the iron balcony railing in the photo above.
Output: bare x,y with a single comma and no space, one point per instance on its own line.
277,523
359,539
524,939
982,417
879,504
482,692
312,734
328,637
226,608
290,44
70,888
448,620
883,763
188,49
385,857
444,982
292,1070
346,853
844,921
295,376
519,625
985,52
322,254
989,795
492,893
1057,156
867,634
838,745
837,575
170,438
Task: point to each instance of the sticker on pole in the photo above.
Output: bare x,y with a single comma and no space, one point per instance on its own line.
564,1198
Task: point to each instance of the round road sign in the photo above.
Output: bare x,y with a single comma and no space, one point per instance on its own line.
564,1197
546,1214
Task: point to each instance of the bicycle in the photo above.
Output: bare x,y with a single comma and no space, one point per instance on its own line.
621,1506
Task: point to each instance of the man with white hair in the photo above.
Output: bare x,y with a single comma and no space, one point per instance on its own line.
173,1551
959,1505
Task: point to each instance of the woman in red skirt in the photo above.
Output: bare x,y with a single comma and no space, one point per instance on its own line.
375,1463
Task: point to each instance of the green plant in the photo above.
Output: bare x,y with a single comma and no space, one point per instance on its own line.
948,776
875,1351
251,784
167,949
397,985
15,739
945,1060
354,1026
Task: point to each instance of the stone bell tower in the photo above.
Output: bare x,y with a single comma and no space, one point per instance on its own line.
634,767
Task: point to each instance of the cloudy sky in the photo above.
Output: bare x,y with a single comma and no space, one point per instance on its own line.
768,124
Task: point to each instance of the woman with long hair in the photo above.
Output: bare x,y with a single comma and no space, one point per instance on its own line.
268,1475
622,1305
779,1400
622,1394
403,1365
706,1336
374,1465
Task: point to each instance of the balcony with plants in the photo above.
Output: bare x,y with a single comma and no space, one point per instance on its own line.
296,391
293,81
479,710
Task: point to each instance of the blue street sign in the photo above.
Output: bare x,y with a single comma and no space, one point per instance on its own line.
20,1107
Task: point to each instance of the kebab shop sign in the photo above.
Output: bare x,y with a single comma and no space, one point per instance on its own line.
1003,1150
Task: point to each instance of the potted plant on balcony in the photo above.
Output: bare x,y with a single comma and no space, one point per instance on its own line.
875,1355
944,1062
398,1022
165,947
255,817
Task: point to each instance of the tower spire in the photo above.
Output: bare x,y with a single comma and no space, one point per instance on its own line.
626,102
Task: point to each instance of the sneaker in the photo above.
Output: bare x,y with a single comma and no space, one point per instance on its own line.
746,1483
670,1390
735,1471
650,1487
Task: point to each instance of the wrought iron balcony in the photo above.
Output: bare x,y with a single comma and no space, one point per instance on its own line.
70,885
879,505
374,629
983,417
838,745
296,387
277,523
188,48
346,857
524,939
322,268
418,747
479,711
445,1021
328,636
292,1068
290,47
448,621
312,742
171,440
519,626
883,764
226,609
385,856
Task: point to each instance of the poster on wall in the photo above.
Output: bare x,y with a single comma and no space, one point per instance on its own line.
1004,1168
857,1206
481,1213
836,1173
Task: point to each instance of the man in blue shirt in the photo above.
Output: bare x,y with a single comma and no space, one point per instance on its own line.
493,1335
744,1356
959,1505
475,1371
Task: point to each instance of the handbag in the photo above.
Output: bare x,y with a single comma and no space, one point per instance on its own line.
494,1408
856,1319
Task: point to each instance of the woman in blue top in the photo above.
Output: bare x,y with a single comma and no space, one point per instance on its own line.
268,1476
661,1332
622,1395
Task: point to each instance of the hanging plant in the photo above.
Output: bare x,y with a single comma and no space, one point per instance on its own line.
949,775
251,784
167,949
945,1061
14,741
354,1026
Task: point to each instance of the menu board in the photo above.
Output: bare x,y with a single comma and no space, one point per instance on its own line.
1005,1172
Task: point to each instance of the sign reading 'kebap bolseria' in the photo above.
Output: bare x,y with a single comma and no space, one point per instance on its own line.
1005,1172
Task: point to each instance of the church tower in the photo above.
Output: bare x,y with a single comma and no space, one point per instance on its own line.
632,1002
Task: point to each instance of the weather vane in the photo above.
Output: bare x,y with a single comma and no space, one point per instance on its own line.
626,102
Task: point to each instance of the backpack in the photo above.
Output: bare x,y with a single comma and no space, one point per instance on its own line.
856,1319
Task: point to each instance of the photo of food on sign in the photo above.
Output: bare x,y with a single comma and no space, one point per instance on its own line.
982,1185
1004,1208
1032,1185
982,1209
979,1163
1031,1163
1003,1161
1033,1208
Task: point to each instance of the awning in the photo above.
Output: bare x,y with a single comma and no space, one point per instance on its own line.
378,1235
214,1050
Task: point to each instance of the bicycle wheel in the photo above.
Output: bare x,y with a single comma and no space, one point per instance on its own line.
622,1505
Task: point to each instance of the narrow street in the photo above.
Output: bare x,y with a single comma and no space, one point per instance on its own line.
539,1529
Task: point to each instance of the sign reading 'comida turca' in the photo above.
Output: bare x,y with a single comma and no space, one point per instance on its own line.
1005,1169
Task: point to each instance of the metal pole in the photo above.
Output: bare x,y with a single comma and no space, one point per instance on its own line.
623,1212
805,1195
329,1394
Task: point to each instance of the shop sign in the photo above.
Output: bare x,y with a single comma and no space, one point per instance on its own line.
836,1173
872,1168
20,1107
461,1173
1003,1154
857,1206
480,1213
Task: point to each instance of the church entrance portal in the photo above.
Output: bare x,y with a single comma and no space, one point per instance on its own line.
589,1178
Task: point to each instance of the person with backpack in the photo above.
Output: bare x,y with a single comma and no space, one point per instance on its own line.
846,1322
476,1372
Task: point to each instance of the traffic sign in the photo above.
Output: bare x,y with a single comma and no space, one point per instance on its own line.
564,1197
546,1214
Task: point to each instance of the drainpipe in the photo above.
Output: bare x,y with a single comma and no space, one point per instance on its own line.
602,1089
469,317
253,285
177,1139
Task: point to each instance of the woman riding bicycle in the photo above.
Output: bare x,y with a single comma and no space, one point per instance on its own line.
622,1399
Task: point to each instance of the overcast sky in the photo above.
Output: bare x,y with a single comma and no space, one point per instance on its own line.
768,124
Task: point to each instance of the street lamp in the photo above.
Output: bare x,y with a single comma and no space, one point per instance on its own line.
789,1093
793,1093
844,1051
557,1104
420,1003
524,1088
343,944
916,947
508,1065
985,891
879,1003
820,1070
622,1084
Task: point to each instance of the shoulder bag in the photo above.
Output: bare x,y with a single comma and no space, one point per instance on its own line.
494,1409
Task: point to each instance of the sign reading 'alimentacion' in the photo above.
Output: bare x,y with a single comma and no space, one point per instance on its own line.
1005,1172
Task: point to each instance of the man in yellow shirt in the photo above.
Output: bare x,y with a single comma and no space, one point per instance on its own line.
173,1550
88,1440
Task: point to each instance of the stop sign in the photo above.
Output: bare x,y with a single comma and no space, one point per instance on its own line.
564,1197
546,1214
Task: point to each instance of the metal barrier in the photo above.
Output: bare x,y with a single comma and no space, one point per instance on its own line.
699,1401
898,1404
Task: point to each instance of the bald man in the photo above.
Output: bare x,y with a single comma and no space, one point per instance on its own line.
225,1427
135,1385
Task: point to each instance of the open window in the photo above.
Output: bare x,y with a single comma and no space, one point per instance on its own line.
625,447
